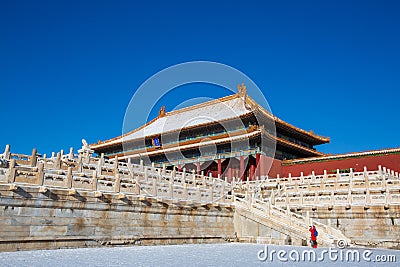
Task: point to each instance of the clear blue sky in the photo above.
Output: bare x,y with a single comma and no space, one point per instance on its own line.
69,68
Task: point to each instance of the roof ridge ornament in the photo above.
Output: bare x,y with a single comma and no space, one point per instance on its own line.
242,90
161,113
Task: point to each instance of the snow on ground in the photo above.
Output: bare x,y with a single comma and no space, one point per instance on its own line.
232,254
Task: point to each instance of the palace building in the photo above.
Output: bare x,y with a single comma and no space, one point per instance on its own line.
231,136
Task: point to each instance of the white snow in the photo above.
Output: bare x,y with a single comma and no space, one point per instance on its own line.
228,254
213,111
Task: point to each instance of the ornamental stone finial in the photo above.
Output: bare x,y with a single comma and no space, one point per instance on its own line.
85,150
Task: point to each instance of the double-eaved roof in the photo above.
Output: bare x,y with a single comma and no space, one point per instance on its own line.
218,110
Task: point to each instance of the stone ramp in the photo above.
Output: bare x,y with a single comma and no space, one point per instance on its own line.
287,222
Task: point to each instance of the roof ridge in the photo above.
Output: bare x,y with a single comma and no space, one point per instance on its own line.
203,104
172,112
276,119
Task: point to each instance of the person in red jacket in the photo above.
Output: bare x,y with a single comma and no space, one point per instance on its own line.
314,233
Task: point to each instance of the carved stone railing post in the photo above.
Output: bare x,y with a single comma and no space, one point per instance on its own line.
223,187
11,177
384,173
325,175
7,154
351,179
69,178
366,180
198,193
289,214
57,163
117,183
308,219
272,197
183,175
155,188
100,163
33,159
268,208
204,179
387,198
136,188
248,187
80,163
130,165
71,153
40,174
164,168
141,164
116,165
173,174
185,191
367,198
212,190
159,175
94,181
193,174
194,179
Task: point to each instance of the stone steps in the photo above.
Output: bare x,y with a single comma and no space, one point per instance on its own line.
287,222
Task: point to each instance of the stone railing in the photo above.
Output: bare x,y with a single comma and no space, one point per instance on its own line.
376,188
286,221
102,176
335,200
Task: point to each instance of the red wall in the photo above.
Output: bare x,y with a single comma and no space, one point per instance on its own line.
269,166
371,162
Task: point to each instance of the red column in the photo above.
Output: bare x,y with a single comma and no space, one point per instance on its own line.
198,168
179,168
258,166
241,170
252,171
219,168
